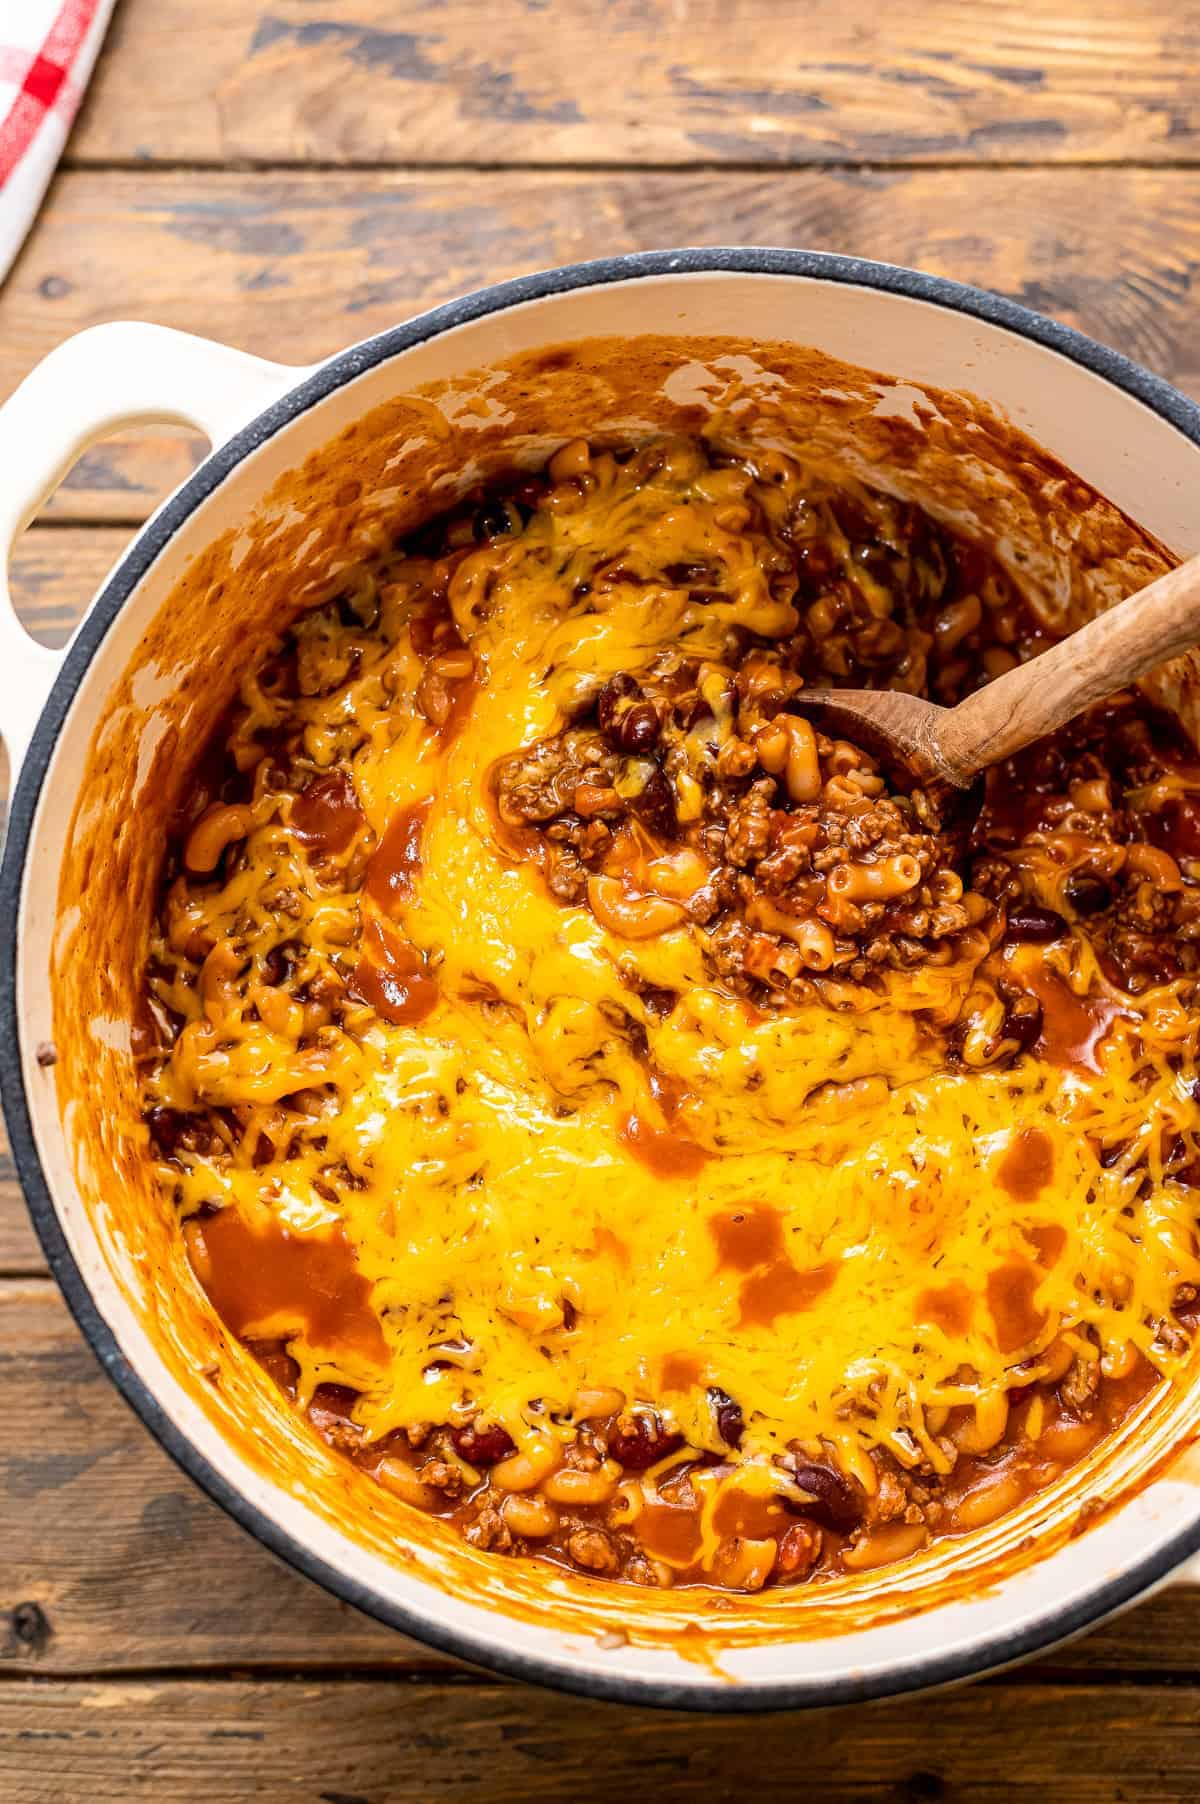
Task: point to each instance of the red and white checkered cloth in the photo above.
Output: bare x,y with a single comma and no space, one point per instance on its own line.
47,49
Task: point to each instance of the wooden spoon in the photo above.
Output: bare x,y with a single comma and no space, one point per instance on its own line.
954,745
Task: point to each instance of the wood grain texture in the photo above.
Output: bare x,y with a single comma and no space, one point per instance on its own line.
122,479
363,1742
643,81
20,1253
110,1559
54,572
163,1580
295,267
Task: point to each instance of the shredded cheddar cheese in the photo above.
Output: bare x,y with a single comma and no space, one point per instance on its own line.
481,1160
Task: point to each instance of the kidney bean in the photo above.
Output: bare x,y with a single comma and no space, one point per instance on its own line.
690,710
264,1152
482,1446
1087,895
279,962
636,730
655,806
799,1550
332,1402
838,1502
731,1424
172,1130
814,568
1033,925
1177,827
167,1127
619,688
529,494
628,721
641,1441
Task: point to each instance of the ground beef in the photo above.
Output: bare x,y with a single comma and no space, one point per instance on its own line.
702,785
595,1551
488,1531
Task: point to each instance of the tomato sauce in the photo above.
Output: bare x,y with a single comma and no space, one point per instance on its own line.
391,975
1028,1164
747,1238
950,1308
1073,1027
396,860
1011,1289
680,1372
783,1289
751,1240
326,816
666,1152
267,1283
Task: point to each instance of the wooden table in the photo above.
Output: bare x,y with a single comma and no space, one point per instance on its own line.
293,174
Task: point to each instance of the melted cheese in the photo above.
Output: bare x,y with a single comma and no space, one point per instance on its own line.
520,1252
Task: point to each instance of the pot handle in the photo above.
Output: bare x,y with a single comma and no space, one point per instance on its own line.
123,374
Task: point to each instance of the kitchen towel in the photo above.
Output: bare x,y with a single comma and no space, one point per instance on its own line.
47,50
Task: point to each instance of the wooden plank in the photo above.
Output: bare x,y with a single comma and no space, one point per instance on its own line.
20,1254
294,267
163,1579
643,81
55,571
371,1741
121,480
110,1558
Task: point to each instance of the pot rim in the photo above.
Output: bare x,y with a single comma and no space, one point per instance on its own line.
1056,1622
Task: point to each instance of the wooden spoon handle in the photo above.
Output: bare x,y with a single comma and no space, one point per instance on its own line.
1116,648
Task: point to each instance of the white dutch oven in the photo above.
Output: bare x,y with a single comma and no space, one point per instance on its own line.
100,730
